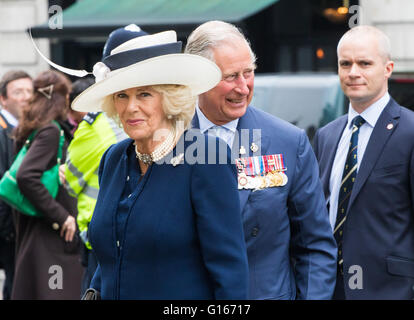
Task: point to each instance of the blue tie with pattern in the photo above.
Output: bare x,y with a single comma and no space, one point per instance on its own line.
348,179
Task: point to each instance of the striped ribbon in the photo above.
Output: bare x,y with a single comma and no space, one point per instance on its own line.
260,165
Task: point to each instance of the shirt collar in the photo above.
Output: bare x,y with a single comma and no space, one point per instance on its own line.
372,113
206,124
9,117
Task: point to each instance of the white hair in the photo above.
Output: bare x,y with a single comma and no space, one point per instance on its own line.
206,37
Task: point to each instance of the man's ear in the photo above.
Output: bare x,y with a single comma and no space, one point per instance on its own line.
389,68
2,100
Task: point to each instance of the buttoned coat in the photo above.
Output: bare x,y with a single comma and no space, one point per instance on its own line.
183,236
378,234
47,267
290,246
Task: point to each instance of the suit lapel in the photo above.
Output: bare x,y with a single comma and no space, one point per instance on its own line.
332,145
376,144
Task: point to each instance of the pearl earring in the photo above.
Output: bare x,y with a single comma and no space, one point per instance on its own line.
169,117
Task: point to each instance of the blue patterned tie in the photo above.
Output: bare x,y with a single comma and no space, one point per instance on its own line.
348,179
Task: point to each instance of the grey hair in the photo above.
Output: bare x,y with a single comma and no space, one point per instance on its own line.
206,37
384,45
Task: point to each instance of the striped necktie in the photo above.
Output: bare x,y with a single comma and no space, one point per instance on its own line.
348,179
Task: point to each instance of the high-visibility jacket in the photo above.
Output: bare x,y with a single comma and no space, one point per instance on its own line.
95,133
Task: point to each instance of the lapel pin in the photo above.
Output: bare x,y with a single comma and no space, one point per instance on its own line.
390,126
254,147
242,150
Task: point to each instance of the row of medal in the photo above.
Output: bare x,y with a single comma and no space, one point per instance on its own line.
270,179
261,172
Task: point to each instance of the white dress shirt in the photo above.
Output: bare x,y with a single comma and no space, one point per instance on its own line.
225,132
9,117
370,115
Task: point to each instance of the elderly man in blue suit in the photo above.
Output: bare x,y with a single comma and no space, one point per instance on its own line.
290,246
366,159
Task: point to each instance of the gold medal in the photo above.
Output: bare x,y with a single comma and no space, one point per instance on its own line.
269,180
278,179
263,182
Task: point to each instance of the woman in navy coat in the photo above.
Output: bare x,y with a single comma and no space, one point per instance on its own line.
167,223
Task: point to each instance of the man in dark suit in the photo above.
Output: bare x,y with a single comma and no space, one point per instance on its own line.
366,161
16,89
290,247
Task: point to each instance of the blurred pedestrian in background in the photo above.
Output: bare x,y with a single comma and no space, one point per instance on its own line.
47,248
16,90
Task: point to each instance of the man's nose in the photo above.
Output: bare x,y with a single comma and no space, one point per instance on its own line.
242,86
27,95
354,72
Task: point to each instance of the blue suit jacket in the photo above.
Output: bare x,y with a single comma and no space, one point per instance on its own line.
183,237
379,229
290,246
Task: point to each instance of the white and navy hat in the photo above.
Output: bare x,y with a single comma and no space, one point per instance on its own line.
143,61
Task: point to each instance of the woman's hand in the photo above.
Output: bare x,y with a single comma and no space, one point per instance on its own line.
62,174
68,229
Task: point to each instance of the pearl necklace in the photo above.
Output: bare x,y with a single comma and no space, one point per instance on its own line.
160,151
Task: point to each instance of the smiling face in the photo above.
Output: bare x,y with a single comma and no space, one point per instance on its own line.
141,113
363,71
231,97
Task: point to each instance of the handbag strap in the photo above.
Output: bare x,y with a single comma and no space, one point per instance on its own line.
61,141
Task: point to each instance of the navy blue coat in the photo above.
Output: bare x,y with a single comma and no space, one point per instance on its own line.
290,246
183,238
378,233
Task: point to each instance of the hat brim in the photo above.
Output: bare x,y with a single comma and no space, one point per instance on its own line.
196,72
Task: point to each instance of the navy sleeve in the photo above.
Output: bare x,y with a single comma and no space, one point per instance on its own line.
313,245
219,225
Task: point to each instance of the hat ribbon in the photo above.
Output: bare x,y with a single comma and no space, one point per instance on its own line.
126,58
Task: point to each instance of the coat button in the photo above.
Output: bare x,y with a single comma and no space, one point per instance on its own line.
254,232
55,226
